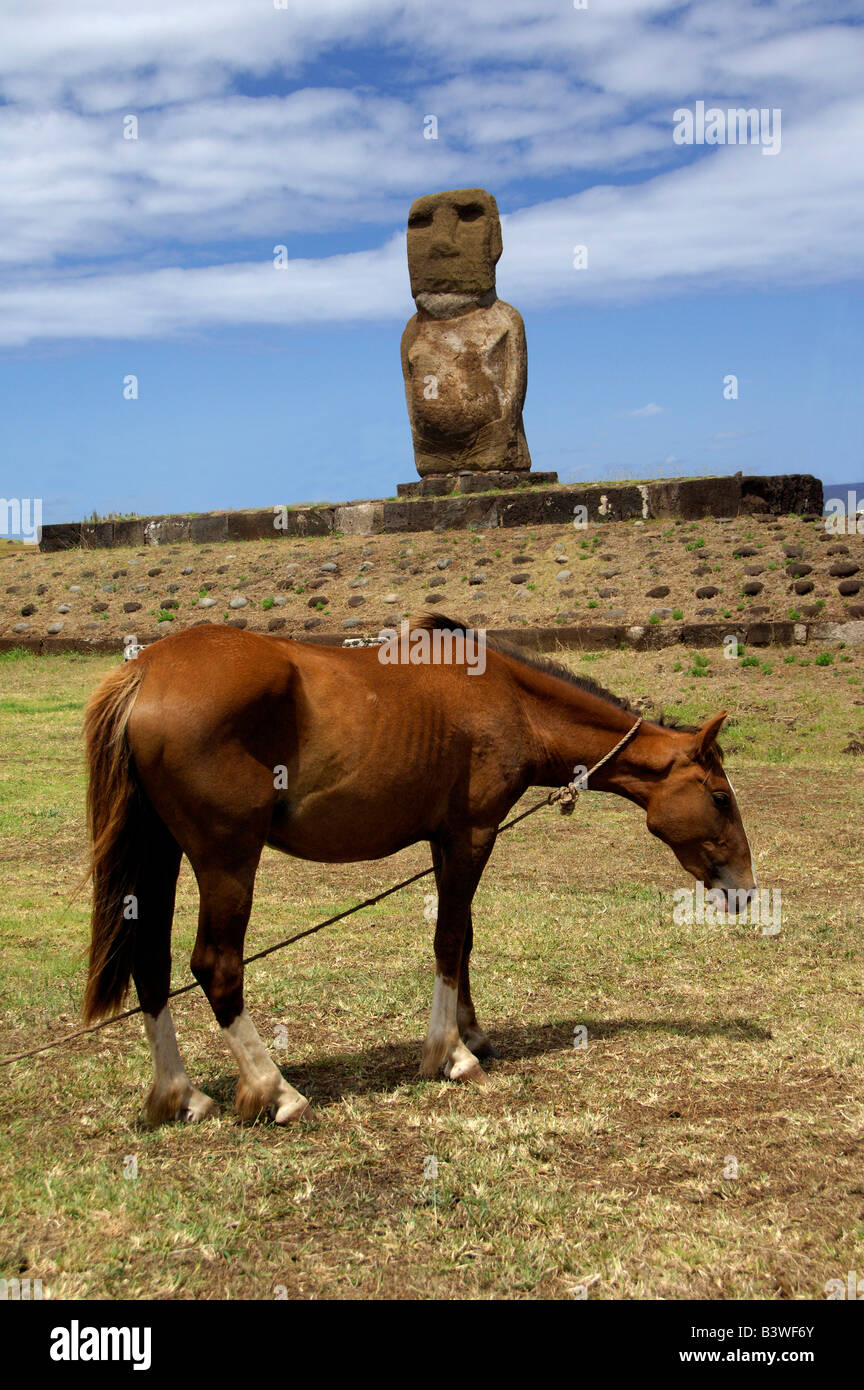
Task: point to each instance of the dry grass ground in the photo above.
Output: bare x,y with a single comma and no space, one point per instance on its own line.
607,1167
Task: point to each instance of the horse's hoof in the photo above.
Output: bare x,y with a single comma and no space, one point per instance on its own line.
198,1107
286,1112
468,1069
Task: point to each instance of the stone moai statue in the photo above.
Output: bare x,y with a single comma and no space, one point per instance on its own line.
463,353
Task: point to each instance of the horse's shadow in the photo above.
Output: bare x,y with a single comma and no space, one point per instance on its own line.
381,1068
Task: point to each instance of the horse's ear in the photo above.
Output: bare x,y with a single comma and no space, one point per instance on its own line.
705,737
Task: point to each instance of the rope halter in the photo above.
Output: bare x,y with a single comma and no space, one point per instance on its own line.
565,797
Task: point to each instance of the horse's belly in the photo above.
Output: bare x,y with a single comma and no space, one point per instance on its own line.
341,832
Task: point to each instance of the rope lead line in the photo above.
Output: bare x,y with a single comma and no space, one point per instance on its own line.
565,797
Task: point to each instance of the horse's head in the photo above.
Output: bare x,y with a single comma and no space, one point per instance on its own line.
692,808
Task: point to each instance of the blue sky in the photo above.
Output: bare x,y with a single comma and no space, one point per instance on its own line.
303,127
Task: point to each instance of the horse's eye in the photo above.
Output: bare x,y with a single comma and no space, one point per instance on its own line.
721,800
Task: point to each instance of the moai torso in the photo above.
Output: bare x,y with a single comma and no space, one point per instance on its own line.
463,352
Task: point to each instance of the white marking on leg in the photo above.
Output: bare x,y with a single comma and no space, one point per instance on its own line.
167,1062
173,1092
443,1044
259,1073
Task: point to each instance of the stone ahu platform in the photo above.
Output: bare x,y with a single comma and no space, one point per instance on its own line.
453,484
532,502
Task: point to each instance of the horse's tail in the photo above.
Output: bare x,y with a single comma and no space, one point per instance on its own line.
115,809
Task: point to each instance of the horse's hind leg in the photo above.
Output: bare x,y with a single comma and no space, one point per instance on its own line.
172,1095
470,1031
457,874
217,964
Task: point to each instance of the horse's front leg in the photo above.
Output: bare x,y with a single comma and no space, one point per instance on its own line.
459,864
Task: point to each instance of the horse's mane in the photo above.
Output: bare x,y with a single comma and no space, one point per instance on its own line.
549,667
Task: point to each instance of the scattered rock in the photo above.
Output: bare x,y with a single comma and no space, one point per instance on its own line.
238,601
707,591
206,603
804,586
356,601
753,587
53,628
797,570
30,608
660,591
743,551
848,587
130,608
844,569
274,624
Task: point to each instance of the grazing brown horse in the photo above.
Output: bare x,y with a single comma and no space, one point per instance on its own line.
216,742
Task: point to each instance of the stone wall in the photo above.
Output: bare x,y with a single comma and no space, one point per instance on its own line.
687,498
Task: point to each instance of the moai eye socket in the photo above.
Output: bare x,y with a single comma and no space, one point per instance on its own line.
470,212
419,219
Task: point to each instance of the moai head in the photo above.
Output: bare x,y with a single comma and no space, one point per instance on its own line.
454,242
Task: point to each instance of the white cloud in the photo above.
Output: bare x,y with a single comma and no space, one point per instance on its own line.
644,411
107,237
